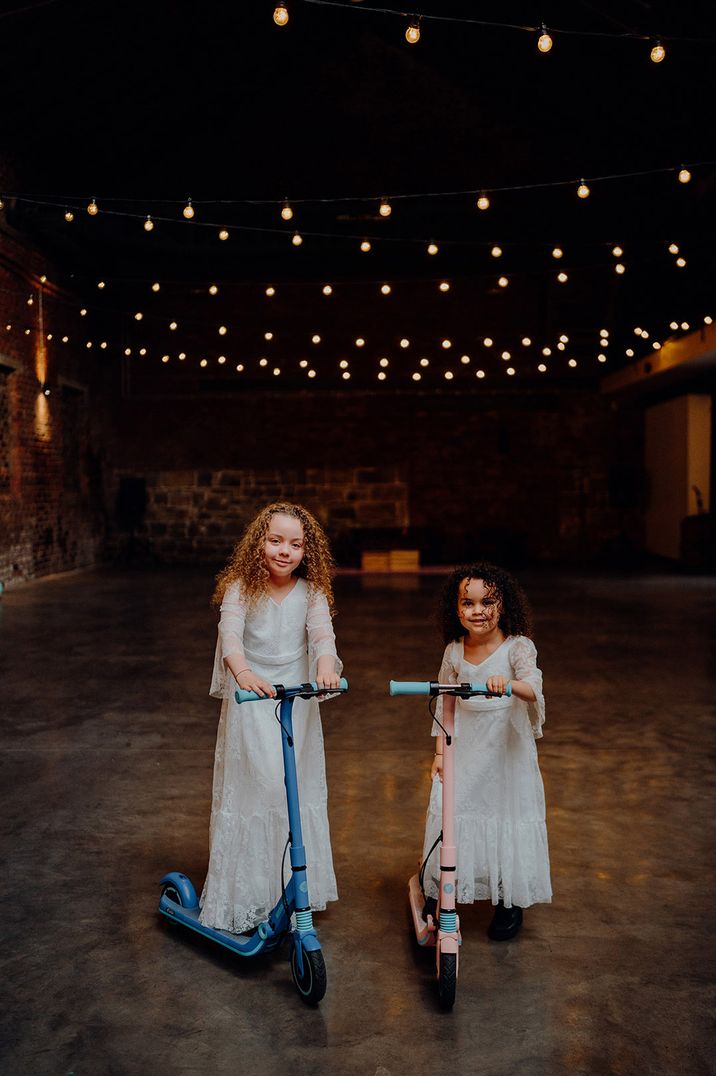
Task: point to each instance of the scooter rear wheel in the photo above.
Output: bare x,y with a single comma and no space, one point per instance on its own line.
312,984
447,981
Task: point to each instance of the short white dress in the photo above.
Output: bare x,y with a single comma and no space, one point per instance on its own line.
500,829
249,818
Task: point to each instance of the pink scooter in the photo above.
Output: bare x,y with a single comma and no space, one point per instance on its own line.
442,929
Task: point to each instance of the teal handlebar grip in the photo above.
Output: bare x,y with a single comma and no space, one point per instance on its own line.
250,696
427,687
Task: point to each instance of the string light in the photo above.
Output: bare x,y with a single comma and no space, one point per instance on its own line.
619,268
149,225
173,325
562,278
213,290
629,353
346,375
188,210
365,246
681,262
544,41
465,359
204,362
708,320
444,286
564,339
425,362
480,374
446,344
286,211
503,281
448,375
412,34
165,358
280,14
327,289
101,284
83,312
487,342
360,342
673,325
223,235
315,339
297,239
656,345
510,371
417,376
384,362
69,216
572,363
561,346
385,289
673,248
526,341
617,252
385,208
156,286
601,358
432,248
268,336
506,356
138,316
240,368
658,53
270,291
181,356
92,208
303,363
382,375
405,342
557,252
496,252
542,368
221,360
684,175
483,202
546,351
583,190
263,362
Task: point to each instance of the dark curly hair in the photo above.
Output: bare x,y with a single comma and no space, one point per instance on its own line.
515,612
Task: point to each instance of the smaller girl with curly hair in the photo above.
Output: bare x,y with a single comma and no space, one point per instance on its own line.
500,830
276,603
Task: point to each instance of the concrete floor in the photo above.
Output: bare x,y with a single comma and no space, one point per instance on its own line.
106,749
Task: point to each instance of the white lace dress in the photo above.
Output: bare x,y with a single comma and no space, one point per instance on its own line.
249,818
500,830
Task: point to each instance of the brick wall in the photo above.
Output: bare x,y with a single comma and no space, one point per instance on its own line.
52,515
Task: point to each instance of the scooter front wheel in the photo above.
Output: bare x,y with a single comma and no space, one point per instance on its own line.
311,985
447,981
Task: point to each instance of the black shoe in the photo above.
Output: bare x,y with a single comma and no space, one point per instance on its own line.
430,908
505,924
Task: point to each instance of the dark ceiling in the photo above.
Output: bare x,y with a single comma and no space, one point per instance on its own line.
143,105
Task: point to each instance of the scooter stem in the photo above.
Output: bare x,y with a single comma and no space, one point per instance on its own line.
448,852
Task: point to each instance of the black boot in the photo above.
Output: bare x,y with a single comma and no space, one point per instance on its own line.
506,923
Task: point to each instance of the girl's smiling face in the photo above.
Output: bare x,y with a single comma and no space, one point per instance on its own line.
478,608
284,546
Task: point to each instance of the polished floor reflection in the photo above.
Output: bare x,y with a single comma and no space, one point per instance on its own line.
106,749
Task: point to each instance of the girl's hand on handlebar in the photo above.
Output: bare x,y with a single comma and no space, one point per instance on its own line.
248,680
497,685
436,770
330,683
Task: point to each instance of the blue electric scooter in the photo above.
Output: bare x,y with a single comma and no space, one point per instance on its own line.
179,901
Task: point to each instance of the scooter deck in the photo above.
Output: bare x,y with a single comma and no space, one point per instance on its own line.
243,944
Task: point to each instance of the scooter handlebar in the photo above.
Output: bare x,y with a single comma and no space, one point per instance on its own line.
308,691
431,687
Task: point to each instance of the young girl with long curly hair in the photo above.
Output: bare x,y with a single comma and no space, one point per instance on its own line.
500,830
276,602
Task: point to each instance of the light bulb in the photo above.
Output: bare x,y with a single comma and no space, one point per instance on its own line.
557,252
405,342
487,342
416,376
503,281
483,202
544,41
619,268
617,252
601,357
346,375
263,362
280,15
562,278
708,320
542,368
303,363
384,362
268,336
182,356
561,346
213,290
204,362
221,360
222,330
276,371
425,362
165,358
444,286
496,252
149,225
327,289
156,286
138,316
448,375
506,356
315,339
480,374
127,351
446,344
240,368
583,190
93,208
173,325
188,210
685,325
270,291
510,371
385,289
673,325
385,208
684,175
360,342
657,53
343,364
286,211
546,351
465,359
564,339
382,375
572,363
69,215
432,248
83,312
365,246
526,341
673,248
311,373
223,235
101,284
297,239
681,262
412,34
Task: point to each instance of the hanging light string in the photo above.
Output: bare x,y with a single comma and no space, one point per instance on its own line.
413,16
80,203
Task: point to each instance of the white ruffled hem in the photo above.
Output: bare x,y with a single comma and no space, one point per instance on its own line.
507,861
243,881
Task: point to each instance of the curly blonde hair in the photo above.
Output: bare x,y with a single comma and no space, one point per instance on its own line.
247,564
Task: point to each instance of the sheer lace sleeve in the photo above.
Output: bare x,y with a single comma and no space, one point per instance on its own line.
230,638
319,629
523,657
448,675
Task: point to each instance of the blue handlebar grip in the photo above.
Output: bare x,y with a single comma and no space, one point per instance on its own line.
409,687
